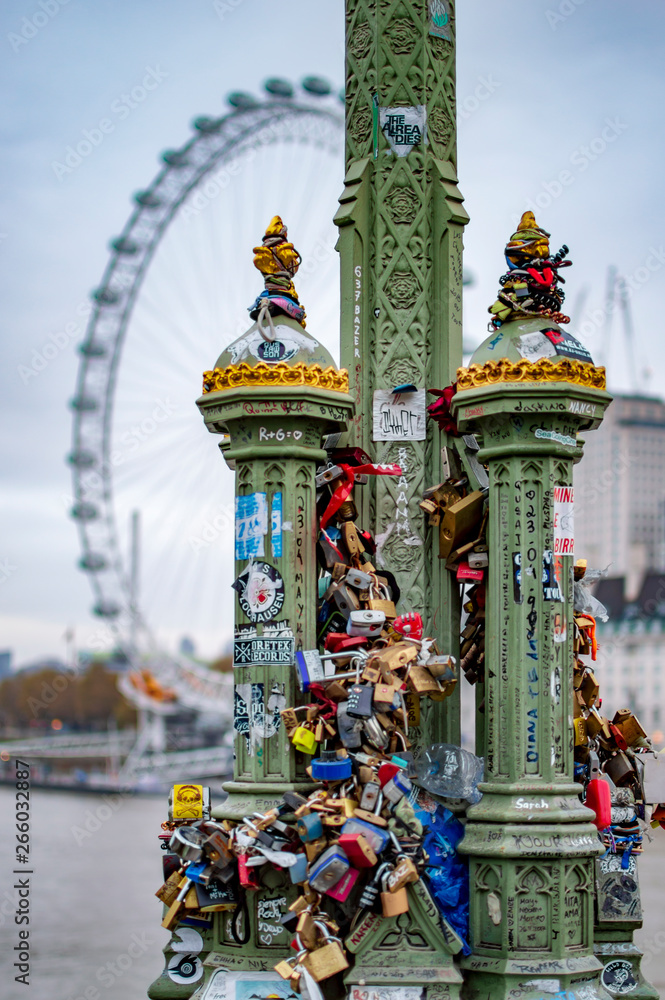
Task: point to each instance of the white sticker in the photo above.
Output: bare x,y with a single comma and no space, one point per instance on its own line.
288,342
534,346
399,416
564,527
544,985
404,128
225,985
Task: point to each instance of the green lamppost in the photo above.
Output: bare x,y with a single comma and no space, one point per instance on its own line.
401,221
272,397
531,844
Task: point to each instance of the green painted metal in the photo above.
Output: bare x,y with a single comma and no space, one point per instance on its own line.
401,221
530,842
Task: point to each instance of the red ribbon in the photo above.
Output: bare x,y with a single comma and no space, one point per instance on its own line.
343,491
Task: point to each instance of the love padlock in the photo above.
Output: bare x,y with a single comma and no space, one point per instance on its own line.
304,740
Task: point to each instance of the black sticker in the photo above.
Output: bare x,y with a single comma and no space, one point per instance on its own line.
618,977
271,350
567,346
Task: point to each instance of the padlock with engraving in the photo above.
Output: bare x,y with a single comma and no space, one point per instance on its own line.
403,874
168,893
328,959
328,869
173,913
342,889
421,681
216,897
395,902
368,623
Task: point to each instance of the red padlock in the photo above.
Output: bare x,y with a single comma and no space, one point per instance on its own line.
342,889
248,875
358,850
410,624
340,642
387,771
599,799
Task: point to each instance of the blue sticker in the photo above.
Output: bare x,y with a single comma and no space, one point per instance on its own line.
276,525
251,525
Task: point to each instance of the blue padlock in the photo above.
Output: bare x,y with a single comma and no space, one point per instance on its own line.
330,767
309,668
376,836
298,872
328,869
195,871
309,827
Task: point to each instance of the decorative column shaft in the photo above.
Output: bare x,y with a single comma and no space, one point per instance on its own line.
401,221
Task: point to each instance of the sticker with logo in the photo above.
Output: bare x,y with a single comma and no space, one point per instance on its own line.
260,590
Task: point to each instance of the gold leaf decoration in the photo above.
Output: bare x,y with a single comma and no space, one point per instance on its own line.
565,370
237,376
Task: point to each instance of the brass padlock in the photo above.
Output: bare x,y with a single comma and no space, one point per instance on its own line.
393,903
404,873
460,522
619,768
307,930
379,600
328,960
352,540
589,688
420,679
169,891
629,726
579,728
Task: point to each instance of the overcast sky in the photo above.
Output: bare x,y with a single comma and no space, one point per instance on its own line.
561,107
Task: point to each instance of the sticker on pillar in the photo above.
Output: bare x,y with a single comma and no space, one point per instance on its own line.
404,127
187,802
559,627
251,525
260,591
534,346
439,19
618,978
566,345
184,969
276,525
399,414
286,345
225,985
255,720
563,521
564,439
551,589
276,644
517,577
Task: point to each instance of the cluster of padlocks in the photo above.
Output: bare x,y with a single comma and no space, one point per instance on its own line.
354,844
460,513
614,758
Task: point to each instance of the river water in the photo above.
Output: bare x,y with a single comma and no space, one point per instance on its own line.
95,929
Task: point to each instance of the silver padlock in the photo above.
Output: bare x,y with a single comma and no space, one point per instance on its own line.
357,579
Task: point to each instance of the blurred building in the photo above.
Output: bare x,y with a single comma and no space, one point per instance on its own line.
5,663
620,491
631,651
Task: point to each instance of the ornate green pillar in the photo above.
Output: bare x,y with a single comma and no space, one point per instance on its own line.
530,842
272,397
401,221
